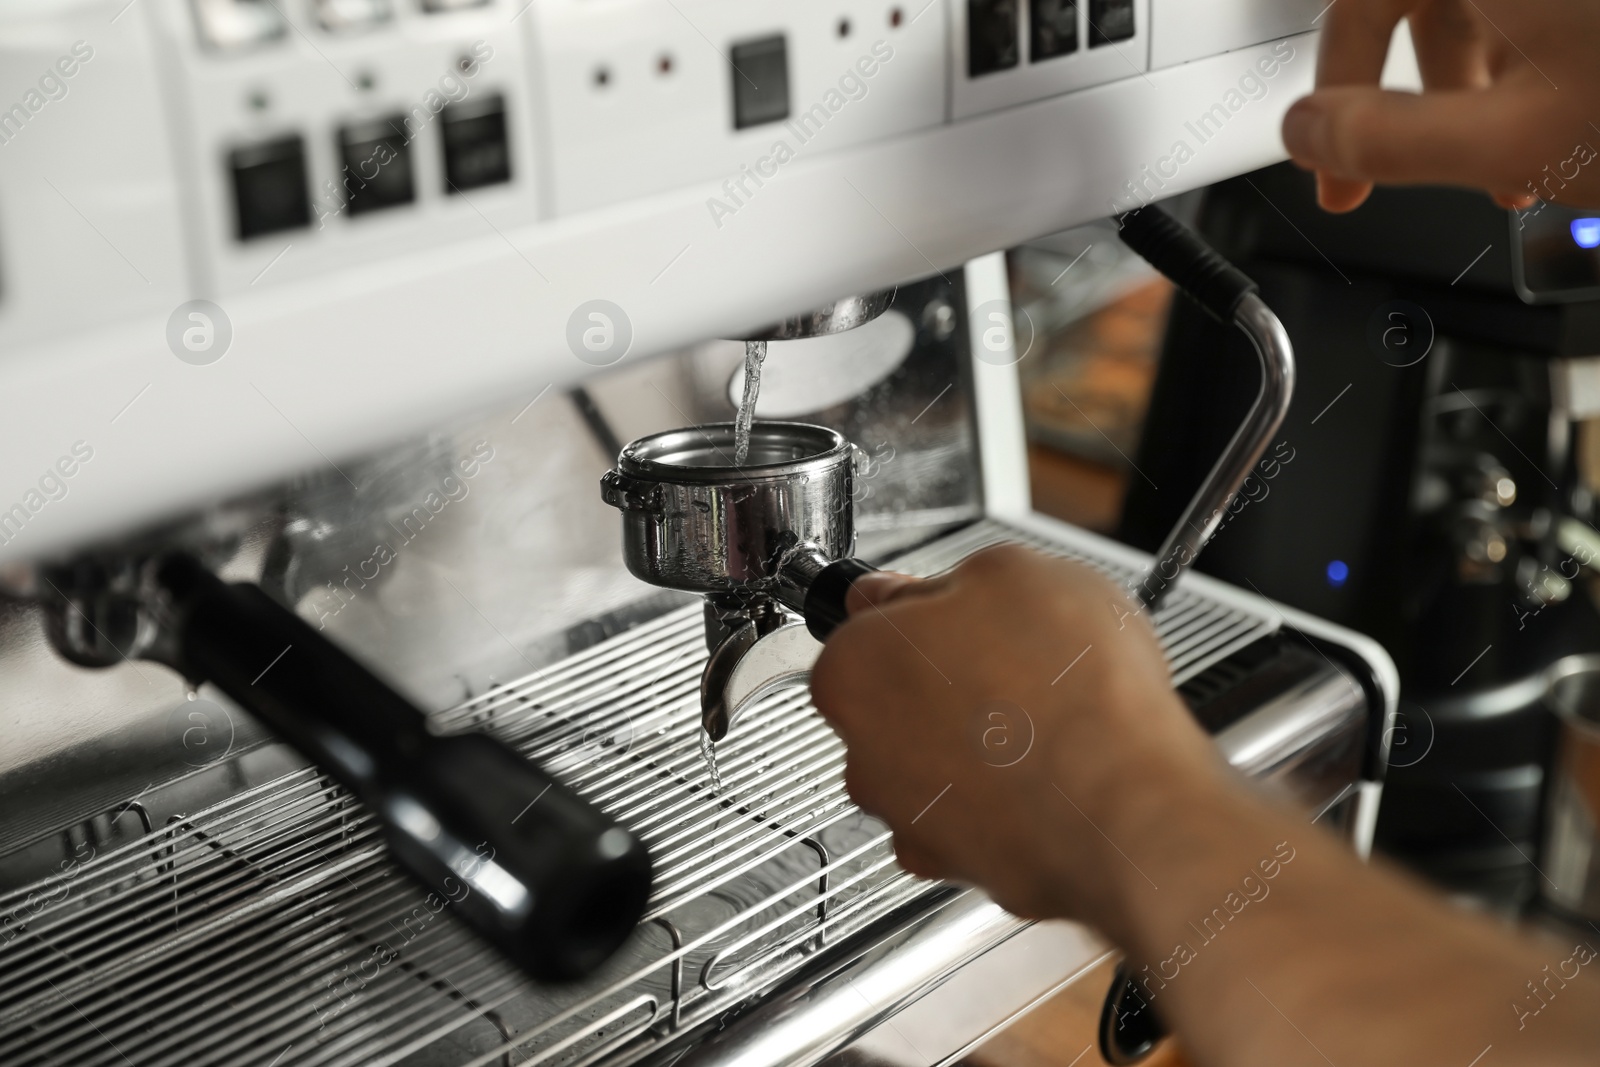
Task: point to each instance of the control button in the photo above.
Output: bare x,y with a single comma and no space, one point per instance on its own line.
340,16
269,187
233,25
436,7
992,36
476,151
377,165
1109,21
760,82
1054,29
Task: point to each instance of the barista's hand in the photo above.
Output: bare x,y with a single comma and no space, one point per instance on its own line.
1511,88
998,714
1122,815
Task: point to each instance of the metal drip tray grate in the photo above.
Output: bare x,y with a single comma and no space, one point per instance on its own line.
271,929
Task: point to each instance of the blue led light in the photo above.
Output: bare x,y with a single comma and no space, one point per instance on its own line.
1586,232
1338,573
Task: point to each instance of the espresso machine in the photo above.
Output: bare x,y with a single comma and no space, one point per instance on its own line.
343,729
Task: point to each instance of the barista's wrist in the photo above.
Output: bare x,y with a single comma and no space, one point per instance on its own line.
1128,815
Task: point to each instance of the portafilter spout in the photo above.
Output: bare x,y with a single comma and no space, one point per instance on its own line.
773,533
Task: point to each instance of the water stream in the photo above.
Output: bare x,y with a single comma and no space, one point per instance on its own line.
755,353
708,752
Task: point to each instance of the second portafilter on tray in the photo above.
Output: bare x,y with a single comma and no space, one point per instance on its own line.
538,871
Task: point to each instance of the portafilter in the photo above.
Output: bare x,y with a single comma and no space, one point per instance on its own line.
754,538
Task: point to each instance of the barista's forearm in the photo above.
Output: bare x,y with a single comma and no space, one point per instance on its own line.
1261,941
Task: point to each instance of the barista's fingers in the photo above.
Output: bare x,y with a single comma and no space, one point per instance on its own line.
915,860
1355,40
877,589
1449,38
1515,201
1466,137
1355,43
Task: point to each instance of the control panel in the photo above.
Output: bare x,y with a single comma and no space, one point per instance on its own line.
1010,52
726,92
326,132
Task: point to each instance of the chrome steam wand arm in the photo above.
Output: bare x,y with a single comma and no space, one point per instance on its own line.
1230,297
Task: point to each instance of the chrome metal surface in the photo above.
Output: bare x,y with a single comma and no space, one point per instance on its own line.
714,714
1572,819
781,660
843,314
271,927
1281,732
798,568
827,1011
1205,512
691,520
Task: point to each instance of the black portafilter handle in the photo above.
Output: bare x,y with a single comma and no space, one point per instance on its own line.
538,871
816,587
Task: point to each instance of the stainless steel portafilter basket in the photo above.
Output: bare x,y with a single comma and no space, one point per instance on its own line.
693,520
772,533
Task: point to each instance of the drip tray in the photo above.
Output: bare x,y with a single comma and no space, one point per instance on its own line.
270,929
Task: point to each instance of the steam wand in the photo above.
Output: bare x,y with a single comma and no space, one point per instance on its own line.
1128,1030
1229,296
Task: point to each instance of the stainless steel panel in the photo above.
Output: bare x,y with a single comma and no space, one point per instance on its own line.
271,927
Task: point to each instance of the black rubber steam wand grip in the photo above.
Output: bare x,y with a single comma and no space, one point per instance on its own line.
536,870
1187,260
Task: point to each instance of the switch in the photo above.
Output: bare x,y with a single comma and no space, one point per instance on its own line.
235,25
1110,21
1054,29
760,82
339,16
992,36
377,165
269,186
476,151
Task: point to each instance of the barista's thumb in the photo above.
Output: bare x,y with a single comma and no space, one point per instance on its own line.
877,589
